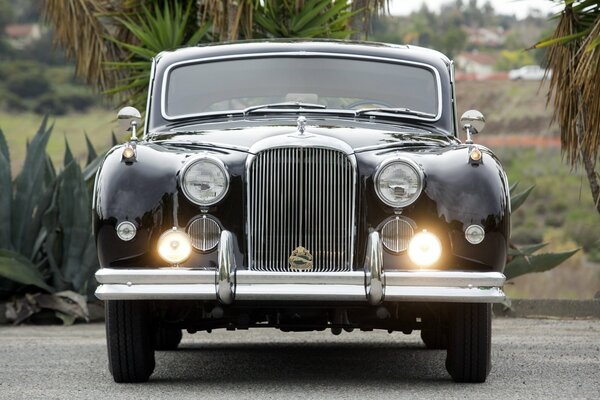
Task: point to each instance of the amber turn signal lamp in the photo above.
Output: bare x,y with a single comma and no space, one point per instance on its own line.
475,154
129,153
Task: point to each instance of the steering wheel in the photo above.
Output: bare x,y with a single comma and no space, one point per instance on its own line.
369,102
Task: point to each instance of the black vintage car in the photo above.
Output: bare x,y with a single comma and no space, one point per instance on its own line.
301,185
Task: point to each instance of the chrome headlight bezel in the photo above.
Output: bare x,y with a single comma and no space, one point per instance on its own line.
410,164
195,161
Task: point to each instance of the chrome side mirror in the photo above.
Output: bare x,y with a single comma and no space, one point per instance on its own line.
472,122
129,119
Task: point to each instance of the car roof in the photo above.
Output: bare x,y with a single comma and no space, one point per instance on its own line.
374,49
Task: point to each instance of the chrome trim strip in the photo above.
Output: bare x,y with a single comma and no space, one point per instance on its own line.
306,140
155,276
445,294
294,292
157,292
225,282
296,54
374,276
150,92
183,284
444,278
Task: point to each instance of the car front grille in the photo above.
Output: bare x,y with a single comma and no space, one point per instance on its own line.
301,197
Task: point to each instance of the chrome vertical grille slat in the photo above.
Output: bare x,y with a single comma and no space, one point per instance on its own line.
301,196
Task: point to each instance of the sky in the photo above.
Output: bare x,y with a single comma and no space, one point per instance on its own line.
520,8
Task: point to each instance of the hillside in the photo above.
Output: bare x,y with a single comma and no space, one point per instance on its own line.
510,107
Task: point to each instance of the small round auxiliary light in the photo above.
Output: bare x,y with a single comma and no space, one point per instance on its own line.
425,249
174,246
475,154
126,231
474,234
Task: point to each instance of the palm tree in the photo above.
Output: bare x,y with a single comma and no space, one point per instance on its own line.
112,41
573,55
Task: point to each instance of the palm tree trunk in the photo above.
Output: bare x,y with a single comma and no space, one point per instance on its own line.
588,160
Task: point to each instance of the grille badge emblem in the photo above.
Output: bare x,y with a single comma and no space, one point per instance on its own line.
301,260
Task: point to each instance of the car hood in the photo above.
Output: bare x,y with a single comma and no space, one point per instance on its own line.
359,136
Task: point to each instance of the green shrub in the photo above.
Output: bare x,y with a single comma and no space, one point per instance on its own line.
15,103
29,85
50,104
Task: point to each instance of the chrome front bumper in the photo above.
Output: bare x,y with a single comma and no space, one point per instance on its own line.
227,284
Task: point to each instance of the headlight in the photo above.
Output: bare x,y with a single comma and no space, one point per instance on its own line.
424,249
174,246
398,182
205,181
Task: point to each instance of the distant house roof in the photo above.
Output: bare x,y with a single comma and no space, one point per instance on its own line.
479,58
491,37
18,31
21,35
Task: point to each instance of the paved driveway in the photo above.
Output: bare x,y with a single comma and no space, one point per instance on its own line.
531,358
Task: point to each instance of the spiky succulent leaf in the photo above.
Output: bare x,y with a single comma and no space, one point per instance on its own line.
29,186
518,199
536,263
6,194
19,269
526,250
75,224
91,151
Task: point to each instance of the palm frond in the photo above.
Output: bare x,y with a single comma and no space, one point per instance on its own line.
573,54
152,30
80,30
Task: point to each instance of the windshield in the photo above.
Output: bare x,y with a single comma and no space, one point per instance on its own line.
334,82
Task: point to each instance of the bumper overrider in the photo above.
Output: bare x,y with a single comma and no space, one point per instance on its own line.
227,284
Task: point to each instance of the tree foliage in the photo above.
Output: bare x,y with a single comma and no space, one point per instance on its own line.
112,41
573,54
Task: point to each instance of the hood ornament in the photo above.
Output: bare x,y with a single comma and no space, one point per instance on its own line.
301,123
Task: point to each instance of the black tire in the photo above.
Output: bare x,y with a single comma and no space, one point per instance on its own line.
167,338
130,340
469,343
435,338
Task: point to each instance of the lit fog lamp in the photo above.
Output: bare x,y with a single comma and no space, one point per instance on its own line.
126,231
174,246
474,234
475,154
424,249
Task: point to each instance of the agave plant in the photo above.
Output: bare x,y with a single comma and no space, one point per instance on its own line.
522,260
46,241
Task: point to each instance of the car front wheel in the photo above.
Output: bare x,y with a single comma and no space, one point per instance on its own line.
469,343
130,339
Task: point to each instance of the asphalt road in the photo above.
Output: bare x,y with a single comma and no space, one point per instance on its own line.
531,359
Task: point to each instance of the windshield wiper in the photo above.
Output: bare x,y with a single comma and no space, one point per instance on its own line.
287,104
396,111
